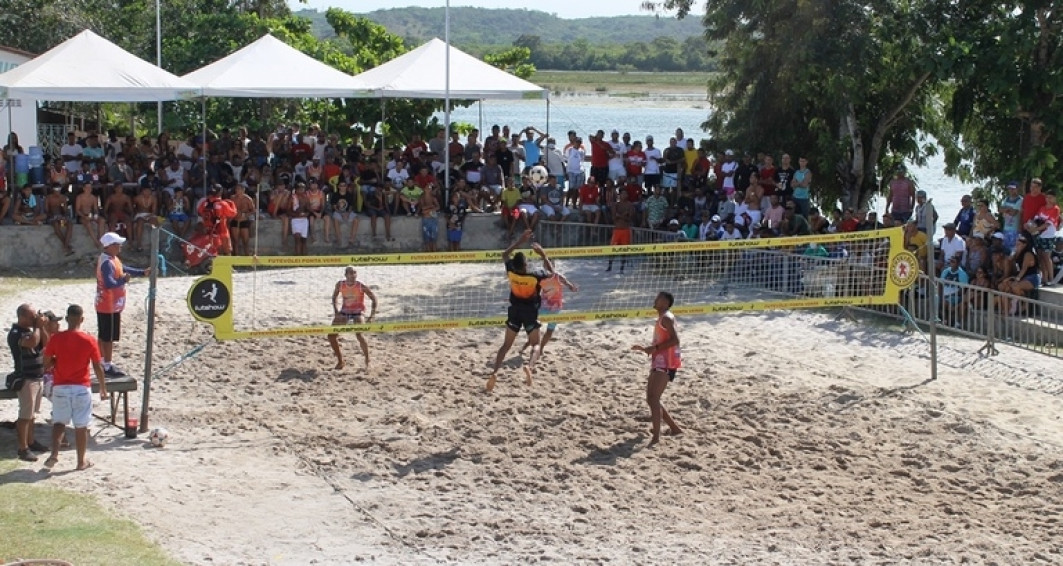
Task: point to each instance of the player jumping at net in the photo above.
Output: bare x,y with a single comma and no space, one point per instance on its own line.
524,302
552,291
350,311
664,363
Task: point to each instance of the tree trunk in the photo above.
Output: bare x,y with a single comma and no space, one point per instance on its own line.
853,174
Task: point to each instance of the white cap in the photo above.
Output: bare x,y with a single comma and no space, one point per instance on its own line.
715,217
110,238
673,221
729,152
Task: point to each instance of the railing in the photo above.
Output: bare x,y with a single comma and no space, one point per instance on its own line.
982,313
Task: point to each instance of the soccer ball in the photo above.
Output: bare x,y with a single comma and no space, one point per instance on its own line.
159,437
538,175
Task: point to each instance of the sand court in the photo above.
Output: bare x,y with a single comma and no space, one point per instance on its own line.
807,440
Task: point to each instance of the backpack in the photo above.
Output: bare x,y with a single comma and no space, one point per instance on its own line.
14,381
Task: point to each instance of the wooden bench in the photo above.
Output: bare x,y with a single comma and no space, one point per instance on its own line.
117,387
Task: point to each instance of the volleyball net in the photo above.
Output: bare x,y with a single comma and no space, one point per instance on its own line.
246,297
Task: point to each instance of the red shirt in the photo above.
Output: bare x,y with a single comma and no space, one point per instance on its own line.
600,150
1052,213
635,161
849,225
78,349
588,194
767,180
1031,204
424,180
330,170
634,193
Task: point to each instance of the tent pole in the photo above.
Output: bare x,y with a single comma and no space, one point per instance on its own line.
383,116
480,108
203,153
548,116
10,156
446,108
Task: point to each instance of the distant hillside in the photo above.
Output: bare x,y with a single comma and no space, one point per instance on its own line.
488,27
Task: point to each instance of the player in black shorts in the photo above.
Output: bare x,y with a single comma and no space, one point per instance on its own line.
524,299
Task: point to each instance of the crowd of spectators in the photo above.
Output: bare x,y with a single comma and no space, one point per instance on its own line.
322,189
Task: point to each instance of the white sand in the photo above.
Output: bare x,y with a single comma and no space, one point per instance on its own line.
809,441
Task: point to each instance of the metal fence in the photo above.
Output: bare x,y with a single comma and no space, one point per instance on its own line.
981,313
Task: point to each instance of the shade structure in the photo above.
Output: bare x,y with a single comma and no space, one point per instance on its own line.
270,68
89,68
421,73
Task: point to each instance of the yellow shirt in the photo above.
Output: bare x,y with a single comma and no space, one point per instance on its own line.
510,197
919,241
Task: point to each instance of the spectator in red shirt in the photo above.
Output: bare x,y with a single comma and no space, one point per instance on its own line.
1033,201
600,153
588,201
68,355
849,221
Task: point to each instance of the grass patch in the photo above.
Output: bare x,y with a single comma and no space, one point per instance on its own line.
44,522
591,81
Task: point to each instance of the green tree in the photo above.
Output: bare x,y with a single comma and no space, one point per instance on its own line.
851,84
1005,105
514,60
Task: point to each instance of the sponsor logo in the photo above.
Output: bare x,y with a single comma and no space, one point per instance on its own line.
477,323
374,259
610,315
209,299
904,269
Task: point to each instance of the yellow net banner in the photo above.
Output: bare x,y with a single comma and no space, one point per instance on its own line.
695,266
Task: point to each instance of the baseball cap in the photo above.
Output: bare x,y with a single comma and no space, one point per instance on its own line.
649,138
110,238
673,222
715,217
614,132
729,152
1013,184
920,193
950,226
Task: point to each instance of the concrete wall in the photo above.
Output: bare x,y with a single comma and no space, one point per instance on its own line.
37,246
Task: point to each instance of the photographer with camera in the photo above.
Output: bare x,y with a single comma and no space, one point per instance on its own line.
26,338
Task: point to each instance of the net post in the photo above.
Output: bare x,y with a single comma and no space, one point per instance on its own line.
932,291
150,333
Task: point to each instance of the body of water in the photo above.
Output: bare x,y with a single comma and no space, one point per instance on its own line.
660,119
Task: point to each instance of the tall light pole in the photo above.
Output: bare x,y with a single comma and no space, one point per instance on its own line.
158,56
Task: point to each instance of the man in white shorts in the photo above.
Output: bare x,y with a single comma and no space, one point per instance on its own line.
68,355
299,212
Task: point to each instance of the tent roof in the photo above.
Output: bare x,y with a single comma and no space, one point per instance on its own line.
88,68
421,73
271,68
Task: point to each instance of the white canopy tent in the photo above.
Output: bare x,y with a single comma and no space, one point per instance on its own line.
88,68
421,73
270,68
439,70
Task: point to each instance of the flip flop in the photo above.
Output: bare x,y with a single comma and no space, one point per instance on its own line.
88,464
51,462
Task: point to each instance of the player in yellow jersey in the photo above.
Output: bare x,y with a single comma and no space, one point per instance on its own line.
350,311
524,302
665,361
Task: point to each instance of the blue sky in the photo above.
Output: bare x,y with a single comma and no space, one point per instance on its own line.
563,8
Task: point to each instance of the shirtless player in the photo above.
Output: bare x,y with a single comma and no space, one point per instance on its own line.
87,208
145,211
